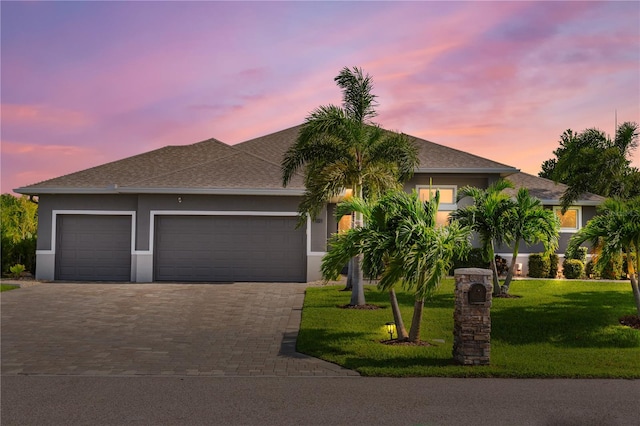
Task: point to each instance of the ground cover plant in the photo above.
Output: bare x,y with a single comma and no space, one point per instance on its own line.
7,287
555,329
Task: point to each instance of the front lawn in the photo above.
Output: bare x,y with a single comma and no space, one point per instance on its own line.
7,287
556,329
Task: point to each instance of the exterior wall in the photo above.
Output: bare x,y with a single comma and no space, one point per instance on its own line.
588,212
48,203
143,207
477,180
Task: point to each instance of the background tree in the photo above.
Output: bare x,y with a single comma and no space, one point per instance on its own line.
18,230
402,245
341,148
487,216
591,162
615,230
528,221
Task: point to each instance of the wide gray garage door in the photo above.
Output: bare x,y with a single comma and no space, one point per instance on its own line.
93,248
229,248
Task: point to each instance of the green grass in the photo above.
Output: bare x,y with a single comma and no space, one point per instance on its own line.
7,287
556,329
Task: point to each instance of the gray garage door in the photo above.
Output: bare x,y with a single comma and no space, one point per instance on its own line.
229,248
93,248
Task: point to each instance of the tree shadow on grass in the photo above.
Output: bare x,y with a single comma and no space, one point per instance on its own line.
325,344
581,320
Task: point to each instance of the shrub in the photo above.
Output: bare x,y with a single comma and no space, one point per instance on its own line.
591,271
16,270
613,269
22,252
572,268
553,265
501,265
579,253
474,259
538,265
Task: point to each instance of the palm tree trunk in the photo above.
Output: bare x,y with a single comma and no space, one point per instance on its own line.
496,282
416,321
349,285
512,268
357,292
357,289
634,275
397,316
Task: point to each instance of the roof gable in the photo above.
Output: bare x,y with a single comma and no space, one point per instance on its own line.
547,190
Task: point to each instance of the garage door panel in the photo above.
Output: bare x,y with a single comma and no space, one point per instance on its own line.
93,248
228,248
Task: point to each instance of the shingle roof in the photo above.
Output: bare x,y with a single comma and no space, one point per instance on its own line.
253,166
209,166
433,157
547,190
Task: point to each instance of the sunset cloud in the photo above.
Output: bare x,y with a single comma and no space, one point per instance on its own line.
86,83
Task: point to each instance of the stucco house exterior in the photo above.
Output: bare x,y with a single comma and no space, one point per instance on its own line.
210,212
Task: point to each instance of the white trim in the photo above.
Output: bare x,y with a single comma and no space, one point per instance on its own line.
130,190
442,206
54,223
578,209
154,213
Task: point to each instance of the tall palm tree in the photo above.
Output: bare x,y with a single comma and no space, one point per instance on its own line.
487,217
530,222
615,230
401,244
341,148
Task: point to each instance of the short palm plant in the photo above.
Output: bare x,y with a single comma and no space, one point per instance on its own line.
529,222
487,216
401,245
614,230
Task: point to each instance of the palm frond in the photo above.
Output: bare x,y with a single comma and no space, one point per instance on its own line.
357,99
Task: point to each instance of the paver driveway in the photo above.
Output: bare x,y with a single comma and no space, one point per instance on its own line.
242,329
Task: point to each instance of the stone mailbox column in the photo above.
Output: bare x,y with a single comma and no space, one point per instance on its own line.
471,317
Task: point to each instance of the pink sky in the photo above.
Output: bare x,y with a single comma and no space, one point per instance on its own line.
84,83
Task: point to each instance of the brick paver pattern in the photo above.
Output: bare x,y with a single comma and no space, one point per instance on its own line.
240,329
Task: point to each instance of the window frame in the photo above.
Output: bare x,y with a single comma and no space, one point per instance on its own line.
443,206
578,210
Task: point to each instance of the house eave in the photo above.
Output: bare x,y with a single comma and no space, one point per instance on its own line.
575,203
504,171
132,190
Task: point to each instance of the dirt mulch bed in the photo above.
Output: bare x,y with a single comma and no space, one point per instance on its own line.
395,342
508,296
364,307
632,321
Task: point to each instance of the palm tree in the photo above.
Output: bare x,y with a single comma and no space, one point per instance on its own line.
591,162
401,244
615,230
530,222
341,148
487,217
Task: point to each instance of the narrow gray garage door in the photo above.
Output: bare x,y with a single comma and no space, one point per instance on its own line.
229,248
93,248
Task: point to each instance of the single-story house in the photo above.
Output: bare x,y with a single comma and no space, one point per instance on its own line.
211,212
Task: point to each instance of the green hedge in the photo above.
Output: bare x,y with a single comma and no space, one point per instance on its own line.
553,265
572,268
538,265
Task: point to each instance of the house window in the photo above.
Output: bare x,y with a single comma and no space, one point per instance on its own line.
448,203
569,221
